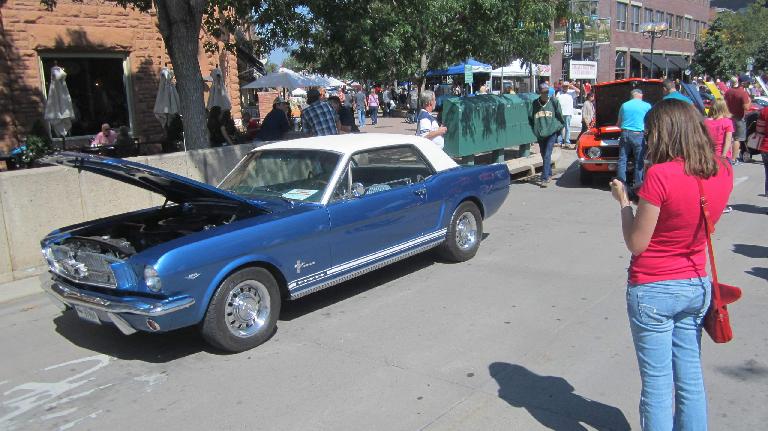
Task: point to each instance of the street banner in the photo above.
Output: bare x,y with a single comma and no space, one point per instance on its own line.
468,74
583,70
595,30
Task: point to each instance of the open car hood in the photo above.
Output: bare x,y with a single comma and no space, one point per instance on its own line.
175,188
610,95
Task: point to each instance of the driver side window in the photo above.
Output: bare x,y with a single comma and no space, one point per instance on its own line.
388,168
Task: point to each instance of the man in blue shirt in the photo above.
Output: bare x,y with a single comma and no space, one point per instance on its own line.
632,124
670,92
319,119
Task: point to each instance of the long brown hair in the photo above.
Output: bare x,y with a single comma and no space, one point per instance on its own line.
675,130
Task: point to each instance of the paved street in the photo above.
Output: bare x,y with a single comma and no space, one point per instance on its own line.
530,334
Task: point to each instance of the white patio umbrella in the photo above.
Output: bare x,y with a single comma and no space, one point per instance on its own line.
283,78
335,82
298,93
58,108
218,95
167,100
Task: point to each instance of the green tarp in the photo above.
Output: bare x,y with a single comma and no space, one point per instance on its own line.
486,122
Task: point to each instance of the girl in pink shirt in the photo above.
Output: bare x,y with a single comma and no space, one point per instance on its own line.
373,106
720,128
668,290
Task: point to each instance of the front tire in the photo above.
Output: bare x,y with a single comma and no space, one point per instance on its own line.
243,311
464,234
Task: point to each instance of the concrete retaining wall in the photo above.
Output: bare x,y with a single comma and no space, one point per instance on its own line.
36,201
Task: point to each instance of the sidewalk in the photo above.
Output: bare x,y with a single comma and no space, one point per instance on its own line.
19,288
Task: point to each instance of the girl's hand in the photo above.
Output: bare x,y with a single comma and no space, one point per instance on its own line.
619,192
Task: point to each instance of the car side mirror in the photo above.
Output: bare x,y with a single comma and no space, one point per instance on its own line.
358,190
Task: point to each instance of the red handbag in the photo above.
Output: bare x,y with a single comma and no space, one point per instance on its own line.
717,323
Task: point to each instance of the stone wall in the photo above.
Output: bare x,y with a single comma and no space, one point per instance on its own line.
34,202
87,27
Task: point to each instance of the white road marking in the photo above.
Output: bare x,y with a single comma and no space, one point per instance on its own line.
739,180
77,421
36,394
58,414
152,379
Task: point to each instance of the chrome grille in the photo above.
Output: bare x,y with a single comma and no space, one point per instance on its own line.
83,266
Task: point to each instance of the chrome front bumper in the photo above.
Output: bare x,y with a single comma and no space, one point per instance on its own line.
64,295
598,162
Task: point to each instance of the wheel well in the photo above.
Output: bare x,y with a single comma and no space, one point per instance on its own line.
477,203
281,282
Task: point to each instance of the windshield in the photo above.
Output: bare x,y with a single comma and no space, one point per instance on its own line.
300,175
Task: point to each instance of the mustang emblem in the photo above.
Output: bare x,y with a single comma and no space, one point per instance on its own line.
299,265
192,276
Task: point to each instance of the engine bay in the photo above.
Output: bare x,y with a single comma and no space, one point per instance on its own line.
124,237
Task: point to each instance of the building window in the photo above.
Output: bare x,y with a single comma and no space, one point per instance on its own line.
635,23
670,27
687,28
621,16
659,16
678,27
621,64
97,87
696,29
648,15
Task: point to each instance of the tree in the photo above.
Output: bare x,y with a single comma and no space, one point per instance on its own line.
271,67
731,39
387,39
180,23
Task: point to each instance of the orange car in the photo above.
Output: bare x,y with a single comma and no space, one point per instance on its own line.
598,148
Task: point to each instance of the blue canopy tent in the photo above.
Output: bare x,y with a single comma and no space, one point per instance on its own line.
458,69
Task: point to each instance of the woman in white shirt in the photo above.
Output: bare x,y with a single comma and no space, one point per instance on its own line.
426,124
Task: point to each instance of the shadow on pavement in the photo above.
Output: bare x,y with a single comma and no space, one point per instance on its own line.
758,272
571,179
315,301
749,250
552,401
749,208
141,346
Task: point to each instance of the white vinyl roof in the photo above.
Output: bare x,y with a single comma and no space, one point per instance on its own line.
354,142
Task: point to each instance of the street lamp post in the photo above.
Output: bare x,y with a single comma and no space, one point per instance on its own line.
653,30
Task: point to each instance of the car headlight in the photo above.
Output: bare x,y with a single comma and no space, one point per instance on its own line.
593,152
152,279
50,260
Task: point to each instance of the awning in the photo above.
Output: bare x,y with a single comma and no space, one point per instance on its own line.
678,60
641,58
458,69
661,63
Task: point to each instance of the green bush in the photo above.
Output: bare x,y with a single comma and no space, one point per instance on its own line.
37,147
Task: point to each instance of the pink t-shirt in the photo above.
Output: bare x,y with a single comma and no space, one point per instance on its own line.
676,250
717,129
373,99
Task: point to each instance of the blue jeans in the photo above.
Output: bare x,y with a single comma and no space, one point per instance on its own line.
665,318
374,114
361,117
631,143
565,138
545,146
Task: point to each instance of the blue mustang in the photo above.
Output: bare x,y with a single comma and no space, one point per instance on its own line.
290,219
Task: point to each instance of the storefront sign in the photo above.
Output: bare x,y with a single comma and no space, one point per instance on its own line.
583,70
543,70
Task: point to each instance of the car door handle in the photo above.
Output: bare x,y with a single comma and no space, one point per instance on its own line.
420,192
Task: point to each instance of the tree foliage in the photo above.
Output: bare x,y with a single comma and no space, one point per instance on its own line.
731,39
388,39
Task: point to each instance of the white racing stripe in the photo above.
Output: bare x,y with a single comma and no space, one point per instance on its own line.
366,259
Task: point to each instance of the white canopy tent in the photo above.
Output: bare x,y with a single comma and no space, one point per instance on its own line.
283,78
58,107
516,68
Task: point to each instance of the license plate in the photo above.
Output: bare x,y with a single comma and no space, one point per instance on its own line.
611,167
87,314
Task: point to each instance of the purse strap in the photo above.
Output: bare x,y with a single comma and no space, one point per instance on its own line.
709,229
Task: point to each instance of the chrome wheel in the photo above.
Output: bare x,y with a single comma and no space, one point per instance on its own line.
247,308
466,231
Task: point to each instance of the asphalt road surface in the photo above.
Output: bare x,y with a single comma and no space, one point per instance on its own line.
531,334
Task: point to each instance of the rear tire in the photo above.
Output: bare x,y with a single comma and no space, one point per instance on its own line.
243,311
465,232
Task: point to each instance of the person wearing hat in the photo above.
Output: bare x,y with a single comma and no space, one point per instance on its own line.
547,121
632,141
276,123
738,102
319,119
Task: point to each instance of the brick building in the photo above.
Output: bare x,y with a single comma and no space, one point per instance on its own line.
112,57
628,52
